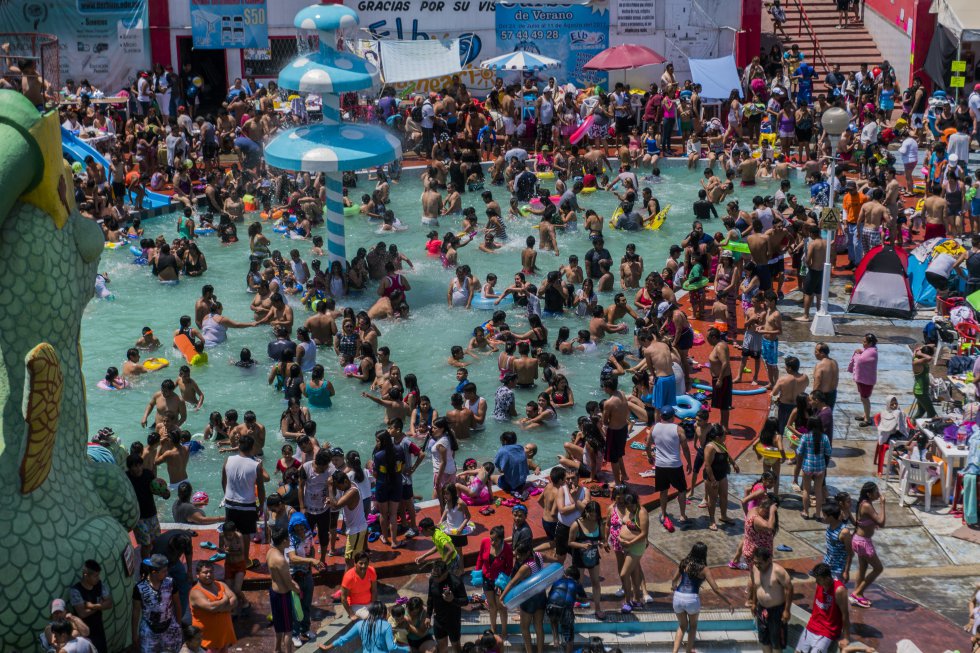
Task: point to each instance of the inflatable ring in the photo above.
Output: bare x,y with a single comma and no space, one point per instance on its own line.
487,304
545,174
113,245
536,201
206,231
353,209
695,284
588,190
536,583
772,453
280,229
465,529
153,364
742,393
698,337
525,210
614,218
687,407
135,251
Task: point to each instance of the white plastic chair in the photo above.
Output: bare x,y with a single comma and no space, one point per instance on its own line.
919,472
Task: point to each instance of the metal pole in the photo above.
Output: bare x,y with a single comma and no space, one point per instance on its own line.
959,55
823,323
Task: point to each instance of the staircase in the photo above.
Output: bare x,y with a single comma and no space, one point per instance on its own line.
812,24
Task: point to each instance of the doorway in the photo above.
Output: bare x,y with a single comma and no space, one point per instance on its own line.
211,66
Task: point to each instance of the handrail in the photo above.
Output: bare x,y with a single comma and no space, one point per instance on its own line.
805,20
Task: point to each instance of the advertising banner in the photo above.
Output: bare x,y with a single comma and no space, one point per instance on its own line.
103,41
572,34
470,21
221,24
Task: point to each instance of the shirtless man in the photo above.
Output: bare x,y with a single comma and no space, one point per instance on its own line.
781,169
758,243
747,170
549,505
253,128
133,366
770,599
529,258
489,202
893,203
280,314
599,325
250,426
526,367
147,341
190,392
659,363
712,186
615,419
787,388
376,259
175,455
431,204
202,307
936,214
460,417
620,308
778,239
394,407
826,373
573,271
719,363
770,331
816,258
280,592
171,411
872,217
322,325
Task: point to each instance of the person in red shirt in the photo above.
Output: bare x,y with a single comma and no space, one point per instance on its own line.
829,621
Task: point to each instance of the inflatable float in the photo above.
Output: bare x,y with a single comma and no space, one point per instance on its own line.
204,231
545,174
536,201
113,245
538,582
658,220
582,130
487,303
743,393
154,364
353,209
186,347
737,246
772,453
687,407
588,190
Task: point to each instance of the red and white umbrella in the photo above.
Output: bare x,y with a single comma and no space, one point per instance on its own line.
624,57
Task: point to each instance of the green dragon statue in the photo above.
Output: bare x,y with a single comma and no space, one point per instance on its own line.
58,507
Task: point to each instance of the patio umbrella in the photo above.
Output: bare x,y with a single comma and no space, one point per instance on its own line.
520,60
624,57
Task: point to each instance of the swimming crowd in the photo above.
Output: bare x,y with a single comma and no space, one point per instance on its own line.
746,262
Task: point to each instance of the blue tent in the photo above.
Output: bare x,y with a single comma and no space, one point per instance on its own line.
923,293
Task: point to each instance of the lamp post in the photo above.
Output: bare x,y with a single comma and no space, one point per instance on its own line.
834,122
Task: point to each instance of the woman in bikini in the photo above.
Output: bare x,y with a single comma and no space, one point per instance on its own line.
868,520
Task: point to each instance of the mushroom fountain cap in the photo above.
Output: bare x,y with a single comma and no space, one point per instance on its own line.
326,18
328,70
332,148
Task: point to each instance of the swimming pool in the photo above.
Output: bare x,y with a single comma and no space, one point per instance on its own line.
419,345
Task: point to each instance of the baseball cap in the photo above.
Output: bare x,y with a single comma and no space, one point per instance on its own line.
58,605
667,411
336,451
662,308
156,561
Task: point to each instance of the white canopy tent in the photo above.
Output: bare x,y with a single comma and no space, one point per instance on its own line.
960,17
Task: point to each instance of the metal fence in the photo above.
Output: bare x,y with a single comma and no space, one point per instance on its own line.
41,48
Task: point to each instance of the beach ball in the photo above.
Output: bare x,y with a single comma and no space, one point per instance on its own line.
76,167
188,164
198,81
158,486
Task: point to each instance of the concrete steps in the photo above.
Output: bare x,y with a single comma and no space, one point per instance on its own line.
849,47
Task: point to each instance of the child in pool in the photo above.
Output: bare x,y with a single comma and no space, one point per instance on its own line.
514,211
147,341
489,244
317,249
245,360
479,343
456,355
488,291
433,244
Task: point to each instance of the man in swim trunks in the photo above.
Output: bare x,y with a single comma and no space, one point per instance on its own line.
659,362
615,418
770,331
770,600
826,373
322,325
171,409
815,257
549,504
788,387
280,600
719,362
747,170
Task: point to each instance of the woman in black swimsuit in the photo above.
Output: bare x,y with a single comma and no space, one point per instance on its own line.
194,263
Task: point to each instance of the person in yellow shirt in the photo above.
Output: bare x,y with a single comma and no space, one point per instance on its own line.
443,545
853,201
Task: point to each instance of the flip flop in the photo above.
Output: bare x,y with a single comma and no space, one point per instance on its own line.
784,548
374,536
639,446
648,473
534,491
209,545
486,512
217,557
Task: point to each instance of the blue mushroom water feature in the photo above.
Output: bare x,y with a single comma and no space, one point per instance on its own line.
331,146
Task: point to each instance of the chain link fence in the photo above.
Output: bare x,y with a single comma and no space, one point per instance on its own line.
40,48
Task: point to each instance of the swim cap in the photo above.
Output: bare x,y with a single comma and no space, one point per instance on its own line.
520,507
200,498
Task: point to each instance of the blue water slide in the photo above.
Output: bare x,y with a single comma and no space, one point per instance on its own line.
75,149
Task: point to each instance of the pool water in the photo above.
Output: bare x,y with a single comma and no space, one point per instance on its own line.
419,345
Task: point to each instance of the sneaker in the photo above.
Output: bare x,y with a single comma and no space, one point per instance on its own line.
411,533
648,598
297,642
310,634
620,593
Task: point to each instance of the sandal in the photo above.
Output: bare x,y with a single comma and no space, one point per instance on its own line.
209,545
252,564
217,557
712,527
859,601
486,512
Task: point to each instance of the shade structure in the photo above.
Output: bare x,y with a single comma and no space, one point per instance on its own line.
520,60
624,57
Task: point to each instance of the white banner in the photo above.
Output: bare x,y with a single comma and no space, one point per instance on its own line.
636,17
409,61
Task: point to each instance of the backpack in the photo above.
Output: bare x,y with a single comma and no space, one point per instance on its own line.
417,113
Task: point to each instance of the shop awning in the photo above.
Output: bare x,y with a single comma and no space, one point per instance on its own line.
961,17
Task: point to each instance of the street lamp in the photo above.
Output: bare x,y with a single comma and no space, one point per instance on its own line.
834,121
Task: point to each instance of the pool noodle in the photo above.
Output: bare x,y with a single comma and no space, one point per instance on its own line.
753,391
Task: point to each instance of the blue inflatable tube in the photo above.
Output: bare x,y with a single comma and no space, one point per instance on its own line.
206,231
687,407
534,584
487,304
753,391
135,251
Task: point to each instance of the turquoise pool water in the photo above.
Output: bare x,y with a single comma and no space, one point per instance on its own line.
419,345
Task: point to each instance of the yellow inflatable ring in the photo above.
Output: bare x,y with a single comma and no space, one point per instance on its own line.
546,174
772,453
154,364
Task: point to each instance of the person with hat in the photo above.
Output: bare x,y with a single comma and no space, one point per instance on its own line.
155,608
188,508
667,439
77,627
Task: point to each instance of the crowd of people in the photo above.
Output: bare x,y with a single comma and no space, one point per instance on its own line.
767,129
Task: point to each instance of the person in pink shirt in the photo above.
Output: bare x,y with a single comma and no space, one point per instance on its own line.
864,368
